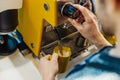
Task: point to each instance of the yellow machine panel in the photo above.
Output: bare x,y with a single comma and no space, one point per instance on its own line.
31,19
41,23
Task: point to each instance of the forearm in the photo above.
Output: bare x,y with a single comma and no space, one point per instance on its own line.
49,78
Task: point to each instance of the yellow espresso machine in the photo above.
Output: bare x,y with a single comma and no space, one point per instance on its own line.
37,21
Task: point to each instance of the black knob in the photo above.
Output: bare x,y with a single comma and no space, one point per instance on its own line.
70,11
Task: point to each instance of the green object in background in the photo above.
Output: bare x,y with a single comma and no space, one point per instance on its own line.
64,58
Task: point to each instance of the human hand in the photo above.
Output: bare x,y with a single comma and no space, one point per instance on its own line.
89,29
87,3
48,67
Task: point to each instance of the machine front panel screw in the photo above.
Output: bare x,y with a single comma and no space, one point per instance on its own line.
46,7
32,45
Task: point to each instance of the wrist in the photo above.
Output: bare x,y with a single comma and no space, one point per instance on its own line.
49,77
100,41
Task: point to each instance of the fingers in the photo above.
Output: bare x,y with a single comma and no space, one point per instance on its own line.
48,57
55,57
89,5
85,12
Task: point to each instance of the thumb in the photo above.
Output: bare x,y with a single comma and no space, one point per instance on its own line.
55,57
